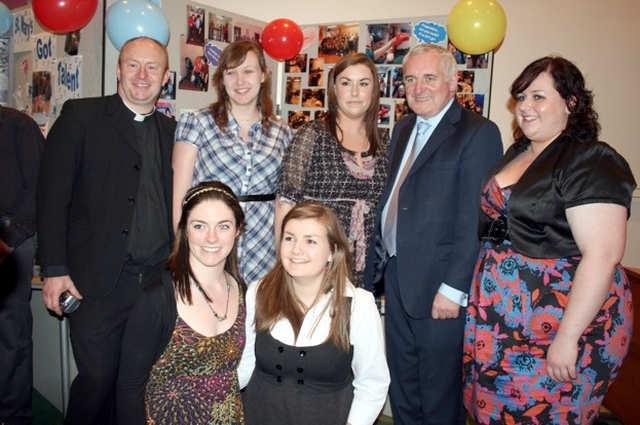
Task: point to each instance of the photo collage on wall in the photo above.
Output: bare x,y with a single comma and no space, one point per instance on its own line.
42,78
205,34
305,76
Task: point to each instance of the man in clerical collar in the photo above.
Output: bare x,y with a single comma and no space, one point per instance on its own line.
104,217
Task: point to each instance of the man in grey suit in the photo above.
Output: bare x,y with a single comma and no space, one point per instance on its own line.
426,243
104,217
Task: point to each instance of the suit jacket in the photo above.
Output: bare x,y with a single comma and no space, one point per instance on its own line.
437,207
87,190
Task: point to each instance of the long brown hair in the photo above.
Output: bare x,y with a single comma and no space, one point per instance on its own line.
179,264
330,117
276,297
232,57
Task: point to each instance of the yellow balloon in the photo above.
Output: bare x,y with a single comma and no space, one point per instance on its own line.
476,26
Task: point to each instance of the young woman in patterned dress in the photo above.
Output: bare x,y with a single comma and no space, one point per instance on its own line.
184,338
550,314
341,158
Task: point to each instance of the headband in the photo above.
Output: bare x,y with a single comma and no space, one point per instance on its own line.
207,189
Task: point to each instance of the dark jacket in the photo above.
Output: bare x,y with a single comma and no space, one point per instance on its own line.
87,190
437,206
21,146
566,174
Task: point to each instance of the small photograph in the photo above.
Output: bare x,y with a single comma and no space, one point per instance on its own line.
465,81
195,25
401,110
219,28
169,89
472,102
201,69
72,43
397,85
318,114
384,75
478,61
460,57
337,41
242,31
298,118
388,43
298,63
316,72
384,114
166,108
313,98
41,92
194,68
292,93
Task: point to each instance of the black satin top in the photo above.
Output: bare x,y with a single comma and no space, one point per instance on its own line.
566,174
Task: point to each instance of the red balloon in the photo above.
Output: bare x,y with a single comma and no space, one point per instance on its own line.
282,39
64,16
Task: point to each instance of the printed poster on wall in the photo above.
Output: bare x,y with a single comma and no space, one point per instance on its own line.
67,81
4,70
45,45
23,26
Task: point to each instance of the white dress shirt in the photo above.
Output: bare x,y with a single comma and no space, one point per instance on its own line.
369,365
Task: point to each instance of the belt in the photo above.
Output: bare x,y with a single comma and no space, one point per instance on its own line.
257,198
496,231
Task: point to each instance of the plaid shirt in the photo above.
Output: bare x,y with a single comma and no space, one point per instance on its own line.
248,168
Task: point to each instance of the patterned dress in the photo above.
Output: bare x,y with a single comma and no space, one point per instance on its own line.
317,167
248,168
195,381
515,307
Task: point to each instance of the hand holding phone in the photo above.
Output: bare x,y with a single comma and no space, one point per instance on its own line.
68,303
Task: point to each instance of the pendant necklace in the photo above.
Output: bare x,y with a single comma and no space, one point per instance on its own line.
226,310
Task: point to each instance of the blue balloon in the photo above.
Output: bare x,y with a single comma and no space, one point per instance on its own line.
6,19
127,19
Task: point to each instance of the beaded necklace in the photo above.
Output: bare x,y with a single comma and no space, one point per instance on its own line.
205,296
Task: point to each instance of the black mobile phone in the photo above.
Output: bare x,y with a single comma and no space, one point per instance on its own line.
68,303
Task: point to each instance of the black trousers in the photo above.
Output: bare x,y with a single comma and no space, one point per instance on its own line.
96,330
16,324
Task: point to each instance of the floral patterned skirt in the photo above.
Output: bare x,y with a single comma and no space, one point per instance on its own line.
515,308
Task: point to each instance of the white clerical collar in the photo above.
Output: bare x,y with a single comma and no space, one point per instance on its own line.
139,117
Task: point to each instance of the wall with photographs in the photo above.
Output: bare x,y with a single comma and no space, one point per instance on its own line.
199,33
40,70
304,77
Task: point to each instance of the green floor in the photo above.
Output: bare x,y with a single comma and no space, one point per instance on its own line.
384,420
45,413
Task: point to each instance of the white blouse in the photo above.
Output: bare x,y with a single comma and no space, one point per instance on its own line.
369,365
